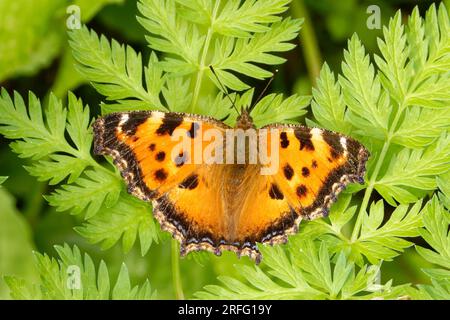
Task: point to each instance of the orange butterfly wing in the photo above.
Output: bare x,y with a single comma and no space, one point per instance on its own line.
315,165
186,196
142,147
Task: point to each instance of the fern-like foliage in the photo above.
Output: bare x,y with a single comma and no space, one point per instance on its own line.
59,141
377,241
303,272
74,277
193,35
400,109
436,233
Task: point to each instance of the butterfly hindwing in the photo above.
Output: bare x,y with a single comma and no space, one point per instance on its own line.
193,212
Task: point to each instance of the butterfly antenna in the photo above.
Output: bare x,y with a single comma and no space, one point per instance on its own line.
224,89
264,90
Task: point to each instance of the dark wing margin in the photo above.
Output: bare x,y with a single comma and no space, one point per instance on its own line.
107,143
352,171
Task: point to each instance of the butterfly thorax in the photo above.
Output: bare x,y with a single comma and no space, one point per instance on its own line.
244,121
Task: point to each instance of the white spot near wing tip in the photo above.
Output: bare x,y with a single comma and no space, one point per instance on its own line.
123,119
316,132
157,114
344,143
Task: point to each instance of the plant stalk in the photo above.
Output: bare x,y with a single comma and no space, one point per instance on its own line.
373,178
310,47
368,192
176,275
202,66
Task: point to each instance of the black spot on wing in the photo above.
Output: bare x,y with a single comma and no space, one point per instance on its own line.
284,140
288,171
304,137
305,172
301,191
160,156
170,122
275,193
190,182
314,164
152,147
160,175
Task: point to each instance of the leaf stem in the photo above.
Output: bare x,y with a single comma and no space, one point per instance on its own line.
176,275
202,66
310,46
376,171
368,192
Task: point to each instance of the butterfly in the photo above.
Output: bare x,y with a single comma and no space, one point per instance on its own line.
217,205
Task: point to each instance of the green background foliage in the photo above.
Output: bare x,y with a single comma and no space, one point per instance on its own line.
61,206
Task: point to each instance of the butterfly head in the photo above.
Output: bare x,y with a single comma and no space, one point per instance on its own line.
244,121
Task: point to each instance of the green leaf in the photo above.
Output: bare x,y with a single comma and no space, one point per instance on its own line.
274,109
414,169
73,278
233,37
172,34
17,122
436,220
443,182
361,87
127,219
430,58
436,233
59,140
241,54
239,20
42,135
384,242
395,73
305,273
328,105
115,70
3,179
87,193
421,127
438,290
122,289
